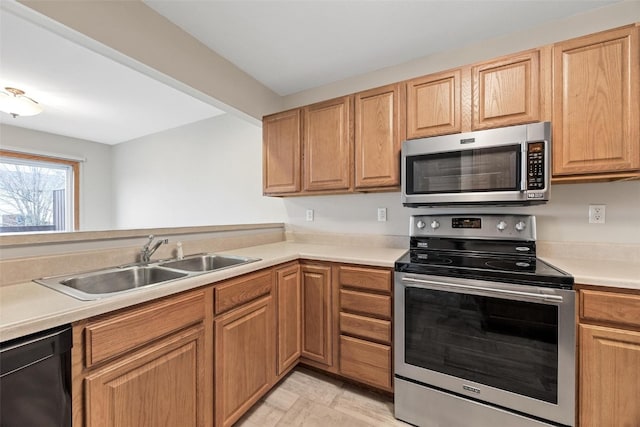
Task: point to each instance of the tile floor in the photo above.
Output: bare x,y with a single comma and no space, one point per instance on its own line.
310,399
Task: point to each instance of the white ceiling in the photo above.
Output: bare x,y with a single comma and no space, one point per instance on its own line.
289,46
84,94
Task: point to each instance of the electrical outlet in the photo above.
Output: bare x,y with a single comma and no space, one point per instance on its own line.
597,214
382,214
309,214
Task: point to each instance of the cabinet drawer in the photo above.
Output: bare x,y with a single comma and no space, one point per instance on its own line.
120,332
360,302
366,361
366,327
236,292
610,307
366,278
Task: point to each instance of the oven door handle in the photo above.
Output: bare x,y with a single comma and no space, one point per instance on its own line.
484,291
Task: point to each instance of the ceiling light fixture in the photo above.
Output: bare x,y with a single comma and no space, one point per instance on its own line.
14,102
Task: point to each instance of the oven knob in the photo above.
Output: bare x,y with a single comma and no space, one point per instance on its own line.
501,225
420,225
435,224
521,226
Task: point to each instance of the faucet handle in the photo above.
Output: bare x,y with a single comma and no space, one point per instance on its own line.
146,246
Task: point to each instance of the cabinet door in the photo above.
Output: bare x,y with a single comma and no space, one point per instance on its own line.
506,91
433,105
281,141
159,385
328,145
378,136
609,377
316,318
244,359
289,297
596,104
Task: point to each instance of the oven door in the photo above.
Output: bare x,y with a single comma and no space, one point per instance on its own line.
509,345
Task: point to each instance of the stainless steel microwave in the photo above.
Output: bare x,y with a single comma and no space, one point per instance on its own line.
504,166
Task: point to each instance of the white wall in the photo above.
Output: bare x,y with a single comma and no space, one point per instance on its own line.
95,174
209,172
564,218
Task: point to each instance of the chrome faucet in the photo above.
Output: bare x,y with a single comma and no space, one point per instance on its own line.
148,250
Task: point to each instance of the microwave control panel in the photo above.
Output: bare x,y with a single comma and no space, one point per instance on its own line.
535,165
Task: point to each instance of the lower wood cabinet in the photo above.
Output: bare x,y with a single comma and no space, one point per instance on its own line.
160,385
288,293
244,359
317,325
365,325
147,365
204,357
609,359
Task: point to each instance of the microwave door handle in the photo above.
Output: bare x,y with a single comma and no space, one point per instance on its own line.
482,291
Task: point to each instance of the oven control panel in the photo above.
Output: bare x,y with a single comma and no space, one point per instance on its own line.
466,222
493,226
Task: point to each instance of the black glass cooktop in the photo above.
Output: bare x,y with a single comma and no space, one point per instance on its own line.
502,261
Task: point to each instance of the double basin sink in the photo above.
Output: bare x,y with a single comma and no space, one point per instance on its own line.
112,281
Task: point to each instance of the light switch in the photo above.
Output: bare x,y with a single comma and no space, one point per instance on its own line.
382,214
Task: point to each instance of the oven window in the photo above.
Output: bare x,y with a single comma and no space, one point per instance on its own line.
487,169
510,345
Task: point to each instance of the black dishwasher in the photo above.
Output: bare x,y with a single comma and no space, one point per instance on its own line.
35,380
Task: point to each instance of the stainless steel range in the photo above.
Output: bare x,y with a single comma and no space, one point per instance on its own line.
484,331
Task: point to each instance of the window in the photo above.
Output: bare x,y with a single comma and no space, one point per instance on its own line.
38,193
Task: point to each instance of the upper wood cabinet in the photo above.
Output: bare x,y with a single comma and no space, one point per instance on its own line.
281,145
342,145
596,116
379,132
328,145
588,87
506,91
434,104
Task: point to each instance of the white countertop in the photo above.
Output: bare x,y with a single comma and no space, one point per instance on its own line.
29,307
605,273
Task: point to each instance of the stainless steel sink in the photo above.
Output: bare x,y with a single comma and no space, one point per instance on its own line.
112,281
206,262
98,284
